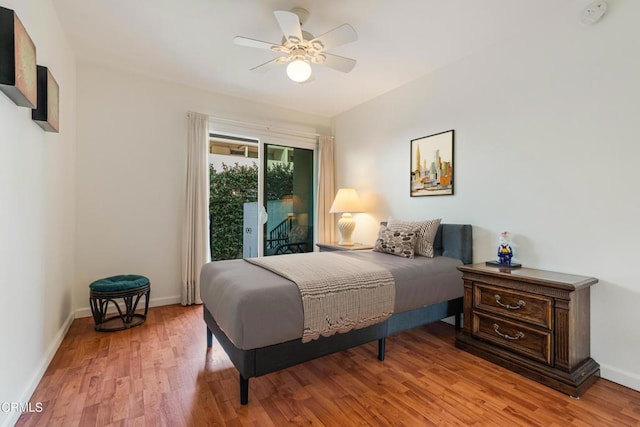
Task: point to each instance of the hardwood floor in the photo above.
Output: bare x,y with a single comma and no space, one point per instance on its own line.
161,374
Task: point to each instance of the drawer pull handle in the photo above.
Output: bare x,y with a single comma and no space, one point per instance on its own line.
518,306
518,336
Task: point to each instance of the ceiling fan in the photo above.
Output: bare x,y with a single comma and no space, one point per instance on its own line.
300,49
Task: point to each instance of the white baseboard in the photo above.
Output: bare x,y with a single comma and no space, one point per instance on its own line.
153,302
39,372
625,378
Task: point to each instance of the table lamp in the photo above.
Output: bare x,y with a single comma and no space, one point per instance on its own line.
346,203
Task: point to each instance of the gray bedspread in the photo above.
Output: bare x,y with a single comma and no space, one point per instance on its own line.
256,308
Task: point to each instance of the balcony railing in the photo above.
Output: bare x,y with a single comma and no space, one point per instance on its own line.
280,233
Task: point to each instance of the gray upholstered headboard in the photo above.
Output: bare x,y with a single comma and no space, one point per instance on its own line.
455,241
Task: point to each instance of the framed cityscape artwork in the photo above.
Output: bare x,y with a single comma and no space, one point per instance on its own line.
432,165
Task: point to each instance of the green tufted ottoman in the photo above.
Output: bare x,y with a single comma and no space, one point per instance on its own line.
130,288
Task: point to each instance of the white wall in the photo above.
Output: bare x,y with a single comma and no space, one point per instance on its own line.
37,218
131,173
546,147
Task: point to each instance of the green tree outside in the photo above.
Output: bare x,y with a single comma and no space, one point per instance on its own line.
230,188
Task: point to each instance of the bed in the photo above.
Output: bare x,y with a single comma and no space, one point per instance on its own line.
256,315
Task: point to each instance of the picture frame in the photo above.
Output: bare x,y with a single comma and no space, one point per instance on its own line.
47,112
17,61
432,165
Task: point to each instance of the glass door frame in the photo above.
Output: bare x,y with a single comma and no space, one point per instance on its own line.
284,141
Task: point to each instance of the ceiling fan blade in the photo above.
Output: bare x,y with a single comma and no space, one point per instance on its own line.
289,24
337,37
263,68
339,63
244,41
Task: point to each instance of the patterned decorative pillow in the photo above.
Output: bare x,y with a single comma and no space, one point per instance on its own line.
400,243
426,231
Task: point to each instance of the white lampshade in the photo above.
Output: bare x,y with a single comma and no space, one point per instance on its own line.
299,70
346,202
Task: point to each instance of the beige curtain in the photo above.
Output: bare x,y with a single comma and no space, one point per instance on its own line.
326,191
195,244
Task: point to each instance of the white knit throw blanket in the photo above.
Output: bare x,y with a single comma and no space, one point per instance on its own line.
339,293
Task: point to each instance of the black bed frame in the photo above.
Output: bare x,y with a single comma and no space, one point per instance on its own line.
453,240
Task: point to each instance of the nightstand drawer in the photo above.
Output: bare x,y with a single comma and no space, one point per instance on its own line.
517,305
514,336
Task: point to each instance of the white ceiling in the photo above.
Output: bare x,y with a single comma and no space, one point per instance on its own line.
190,42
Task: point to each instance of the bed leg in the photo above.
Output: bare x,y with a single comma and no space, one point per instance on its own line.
381,346
458,320
244,390
209,337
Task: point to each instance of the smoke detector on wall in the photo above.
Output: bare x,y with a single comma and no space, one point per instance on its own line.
594,12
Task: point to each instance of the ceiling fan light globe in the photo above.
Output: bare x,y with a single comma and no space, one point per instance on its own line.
299,70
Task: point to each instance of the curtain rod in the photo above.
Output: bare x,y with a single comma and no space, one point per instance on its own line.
270,128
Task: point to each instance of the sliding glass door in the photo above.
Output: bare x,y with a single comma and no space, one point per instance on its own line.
288,195
234,211
261,196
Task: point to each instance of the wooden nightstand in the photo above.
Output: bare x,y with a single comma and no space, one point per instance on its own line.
533,322
330,247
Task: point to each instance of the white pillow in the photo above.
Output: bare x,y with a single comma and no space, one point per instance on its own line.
426,233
